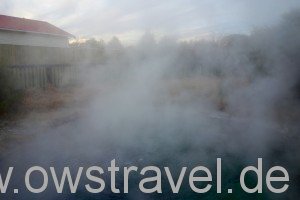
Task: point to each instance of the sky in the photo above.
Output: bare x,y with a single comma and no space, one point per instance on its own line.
129,19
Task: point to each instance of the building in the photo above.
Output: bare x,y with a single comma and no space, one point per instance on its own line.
21,31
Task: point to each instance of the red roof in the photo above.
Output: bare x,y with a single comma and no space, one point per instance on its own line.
28,25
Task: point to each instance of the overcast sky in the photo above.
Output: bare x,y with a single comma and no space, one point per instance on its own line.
128,19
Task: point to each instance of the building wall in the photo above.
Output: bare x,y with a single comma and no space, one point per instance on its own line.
32,39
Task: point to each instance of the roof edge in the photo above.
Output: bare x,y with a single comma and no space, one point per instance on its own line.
69,35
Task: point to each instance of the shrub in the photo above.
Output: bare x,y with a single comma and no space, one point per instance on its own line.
10,97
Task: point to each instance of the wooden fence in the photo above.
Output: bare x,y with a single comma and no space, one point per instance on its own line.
42,76
31,55
39,67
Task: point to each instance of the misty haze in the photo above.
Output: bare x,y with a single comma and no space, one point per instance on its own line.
164,84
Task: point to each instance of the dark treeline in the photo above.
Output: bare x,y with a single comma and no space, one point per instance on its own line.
261,53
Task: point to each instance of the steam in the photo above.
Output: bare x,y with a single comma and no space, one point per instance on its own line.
181,103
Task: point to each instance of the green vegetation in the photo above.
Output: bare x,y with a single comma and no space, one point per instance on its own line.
9,96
